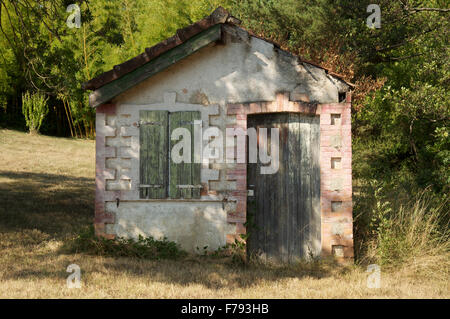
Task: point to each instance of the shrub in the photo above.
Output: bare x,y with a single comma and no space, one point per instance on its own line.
143,247
395,229
238,250
34,108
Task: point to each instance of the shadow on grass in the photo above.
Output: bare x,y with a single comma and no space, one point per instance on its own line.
220,273
42,207
54,204
210,273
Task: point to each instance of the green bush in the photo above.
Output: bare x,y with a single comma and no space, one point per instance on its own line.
34,108
393,227
143,247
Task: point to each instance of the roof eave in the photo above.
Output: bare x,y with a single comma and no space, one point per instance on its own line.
116,86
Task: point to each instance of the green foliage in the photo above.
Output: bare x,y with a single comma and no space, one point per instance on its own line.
238,250
409,127
394,228
400,129
39,51
4,88
298,25
34,108
146,248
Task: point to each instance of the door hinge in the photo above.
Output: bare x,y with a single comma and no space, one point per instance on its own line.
147,123
189,186
150,186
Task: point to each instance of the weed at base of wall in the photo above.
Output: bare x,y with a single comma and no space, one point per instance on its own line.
143,247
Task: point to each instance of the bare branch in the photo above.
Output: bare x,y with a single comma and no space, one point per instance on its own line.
429,9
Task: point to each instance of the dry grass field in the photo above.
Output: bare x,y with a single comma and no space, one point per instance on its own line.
47,195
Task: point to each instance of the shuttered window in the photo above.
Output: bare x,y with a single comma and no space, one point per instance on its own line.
154,150
160,177
184,177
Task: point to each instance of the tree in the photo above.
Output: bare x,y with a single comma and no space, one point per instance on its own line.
34,108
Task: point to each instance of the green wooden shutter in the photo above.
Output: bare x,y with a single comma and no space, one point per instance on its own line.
184,177
153,154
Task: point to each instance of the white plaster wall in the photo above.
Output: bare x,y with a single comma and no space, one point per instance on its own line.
244,69
192,225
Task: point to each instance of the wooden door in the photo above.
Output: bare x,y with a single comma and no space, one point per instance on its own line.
284,212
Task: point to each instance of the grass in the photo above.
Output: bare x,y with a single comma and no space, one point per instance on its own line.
404,230
47,196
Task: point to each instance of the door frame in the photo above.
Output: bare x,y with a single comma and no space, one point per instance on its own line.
336,226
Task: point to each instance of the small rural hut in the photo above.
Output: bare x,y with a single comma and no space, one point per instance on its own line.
216,80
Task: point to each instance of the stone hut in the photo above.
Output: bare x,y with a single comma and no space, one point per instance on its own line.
216,135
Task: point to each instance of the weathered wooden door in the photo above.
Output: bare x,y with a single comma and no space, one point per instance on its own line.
284,212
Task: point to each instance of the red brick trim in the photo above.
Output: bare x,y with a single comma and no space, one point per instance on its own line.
101,151
281,104
348,97
108,108
336,184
